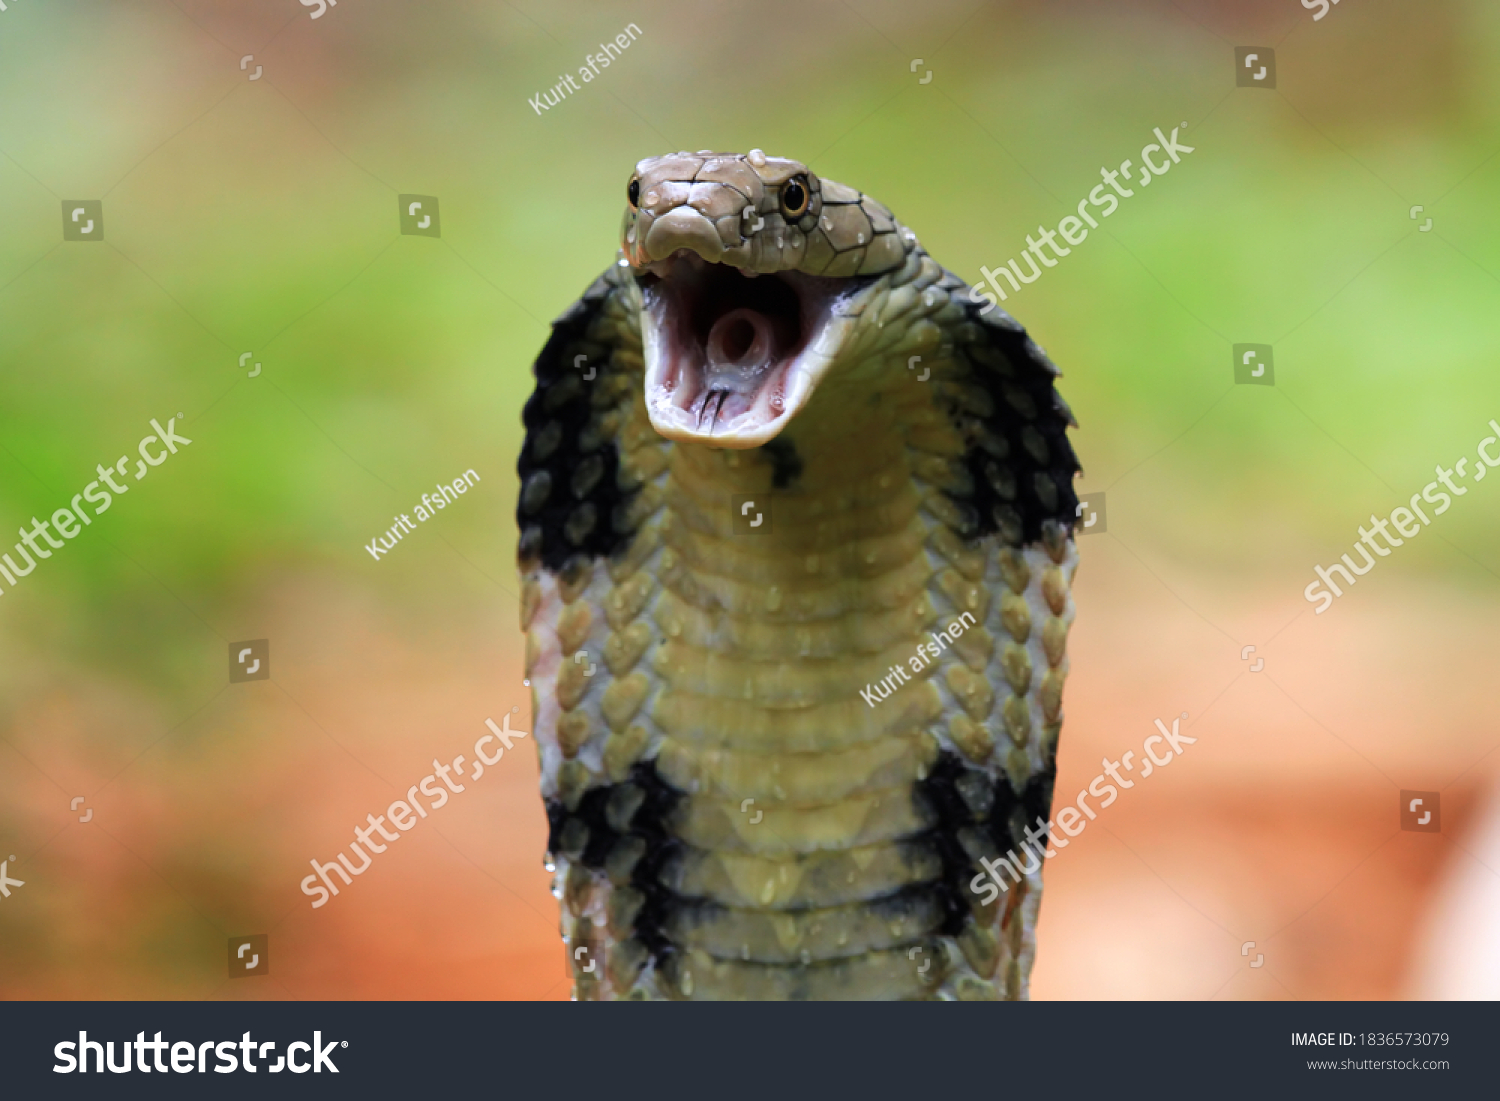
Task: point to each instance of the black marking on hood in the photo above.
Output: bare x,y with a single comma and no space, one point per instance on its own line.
602,812
786,464
1019,460
571,502
1002,823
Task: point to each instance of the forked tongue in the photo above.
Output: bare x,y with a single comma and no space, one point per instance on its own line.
741,355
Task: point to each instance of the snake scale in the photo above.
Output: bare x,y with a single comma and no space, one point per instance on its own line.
773,453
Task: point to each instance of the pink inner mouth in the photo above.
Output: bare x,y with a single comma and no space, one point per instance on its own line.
743,355
729,341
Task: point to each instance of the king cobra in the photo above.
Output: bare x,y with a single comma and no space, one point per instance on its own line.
796,550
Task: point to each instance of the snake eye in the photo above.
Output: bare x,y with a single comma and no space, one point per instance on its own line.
794,197
633,192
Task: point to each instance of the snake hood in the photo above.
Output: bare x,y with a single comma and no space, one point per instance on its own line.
796,555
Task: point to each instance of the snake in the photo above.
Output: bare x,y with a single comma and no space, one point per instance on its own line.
796,553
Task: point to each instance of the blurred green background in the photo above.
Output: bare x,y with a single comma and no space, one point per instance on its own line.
261,216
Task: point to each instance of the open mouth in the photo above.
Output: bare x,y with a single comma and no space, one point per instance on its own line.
730,356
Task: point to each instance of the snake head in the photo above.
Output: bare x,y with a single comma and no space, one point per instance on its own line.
753,272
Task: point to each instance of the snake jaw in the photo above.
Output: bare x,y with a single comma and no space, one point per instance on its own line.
730,360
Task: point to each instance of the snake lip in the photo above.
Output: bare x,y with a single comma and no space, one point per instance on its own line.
732,356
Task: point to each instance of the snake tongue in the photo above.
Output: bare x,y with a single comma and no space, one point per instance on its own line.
730,359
